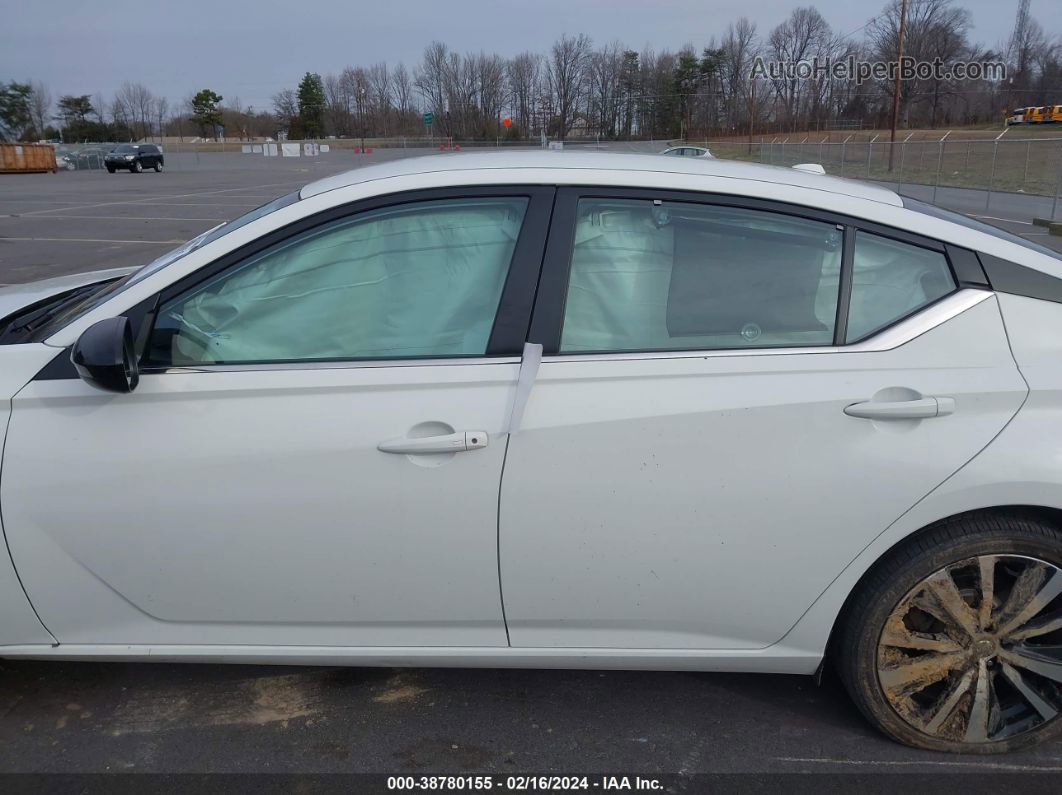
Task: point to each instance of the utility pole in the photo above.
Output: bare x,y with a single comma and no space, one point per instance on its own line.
896,86
752,111
362,93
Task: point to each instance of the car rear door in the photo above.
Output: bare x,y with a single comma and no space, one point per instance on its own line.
735,398
313,453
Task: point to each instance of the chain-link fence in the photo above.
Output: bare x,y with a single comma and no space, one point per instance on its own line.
1006,173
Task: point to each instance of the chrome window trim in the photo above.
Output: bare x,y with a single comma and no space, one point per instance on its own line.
888,339
332,364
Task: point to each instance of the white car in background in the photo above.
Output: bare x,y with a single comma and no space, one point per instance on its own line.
687,151
558,410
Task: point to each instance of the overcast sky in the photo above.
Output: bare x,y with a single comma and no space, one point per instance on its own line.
250,50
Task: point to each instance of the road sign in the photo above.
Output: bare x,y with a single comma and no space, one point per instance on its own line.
507,122
428,119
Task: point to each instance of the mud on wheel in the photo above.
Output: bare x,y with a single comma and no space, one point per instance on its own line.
955,643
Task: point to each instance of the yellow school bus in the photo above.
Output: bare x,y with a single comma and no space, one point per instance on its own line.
1055,115
1038,115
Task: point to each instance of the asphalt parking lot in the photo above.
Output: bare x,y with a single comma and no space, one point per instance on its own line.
163,718
53,224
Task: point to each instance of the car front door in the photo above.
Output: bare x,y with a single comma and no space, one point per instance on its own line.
313,453
735,398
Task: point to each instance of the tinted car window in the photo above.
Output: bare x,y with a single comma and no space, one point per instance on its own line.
891,280
423,279
674,276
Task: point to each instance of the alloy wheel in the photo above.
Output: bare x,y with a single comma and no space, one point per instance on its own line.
973,653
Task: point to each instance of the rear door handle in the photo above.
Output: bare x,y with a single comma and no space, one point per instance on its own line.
458,442
920,409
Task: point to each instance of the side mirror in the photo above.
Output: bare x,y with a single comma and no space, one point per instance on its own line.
105,357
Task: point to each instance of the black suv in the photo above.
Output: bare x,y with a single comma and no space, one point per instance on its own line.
135,157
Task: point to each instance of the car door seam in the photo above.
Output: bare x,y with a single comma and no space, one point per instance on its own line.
7,544
497,542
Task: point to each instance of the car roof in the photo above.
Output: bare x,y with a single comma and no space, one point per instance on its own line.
541,167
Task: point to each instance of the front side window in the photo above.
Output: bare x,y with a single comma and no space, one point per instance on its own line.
416,280
891,280
650,275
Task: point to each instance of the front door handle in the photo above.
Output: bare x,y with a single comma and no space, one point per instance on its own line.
457,442
920,409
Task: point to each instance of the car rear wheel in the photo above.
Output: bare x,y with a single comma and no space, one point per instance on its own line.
954,642
137,167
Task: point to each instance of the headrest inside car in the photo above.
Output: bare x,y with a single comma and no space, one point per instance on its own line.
727,278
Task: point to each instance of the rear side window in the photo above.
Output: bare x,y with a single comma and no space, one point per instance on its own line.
891,280
651,275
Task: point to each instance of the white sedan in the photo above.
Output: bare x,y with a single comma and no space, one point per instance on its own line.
687,151
564,411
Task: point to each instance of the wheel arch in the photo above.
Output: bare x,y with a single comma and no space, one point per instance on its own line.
1045,514
814,632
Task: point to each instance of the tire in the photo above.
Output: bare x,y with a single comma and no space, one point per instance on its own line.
158,166
947,675
137,167
111,169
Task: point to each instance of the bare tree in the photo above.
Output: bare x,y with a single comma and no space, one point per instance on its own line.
934,28
336,105
132,107
100,107
525,86
566,78
739,47
489,81
402,85
380,102
40,107
286,107
431,77
804,36
160,112
605,68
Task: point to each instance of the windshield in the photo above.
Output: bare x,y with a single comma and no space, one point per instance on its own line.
125,149
972,223
90,302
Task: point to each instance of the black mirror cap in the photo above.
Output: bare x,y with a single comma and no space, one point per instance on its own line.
104,355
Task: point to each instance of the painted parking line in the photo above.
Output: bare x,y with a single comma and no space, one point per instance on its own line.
142,200
194,204
1007,220
90,240
39,201
113,218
